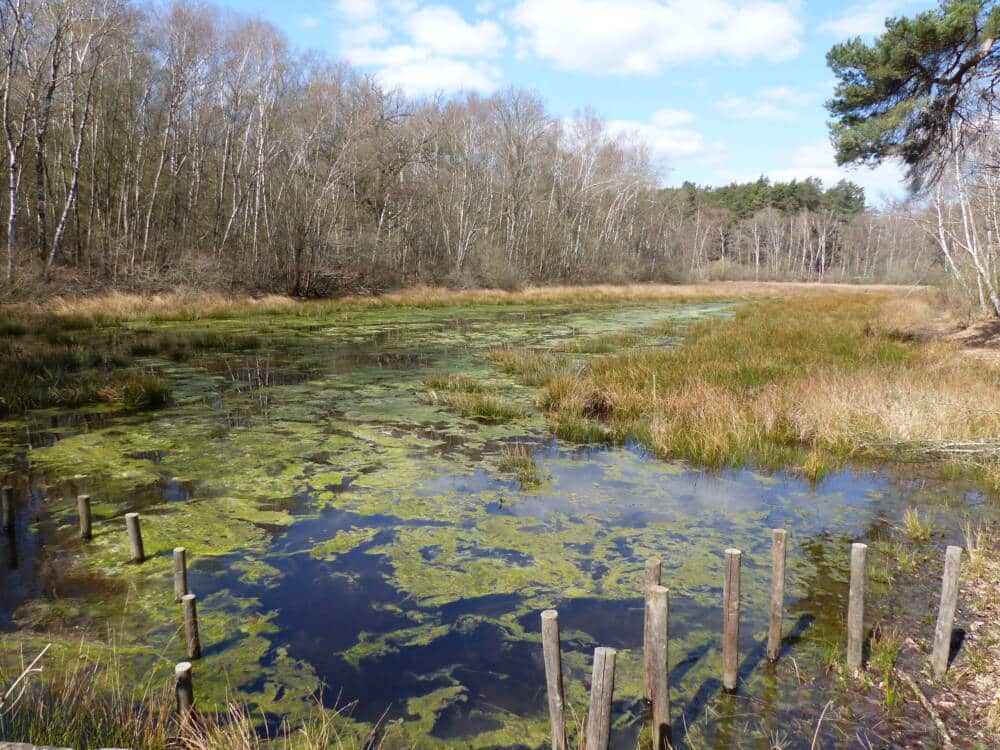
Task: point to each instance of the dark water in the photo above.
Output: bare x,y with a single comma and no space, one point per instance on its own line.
348,534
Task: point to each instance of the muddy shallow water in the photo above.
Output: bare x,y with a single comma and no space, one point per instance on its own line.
344,530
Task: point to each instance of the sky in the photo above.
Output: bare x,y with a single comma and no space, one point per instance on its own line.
721,90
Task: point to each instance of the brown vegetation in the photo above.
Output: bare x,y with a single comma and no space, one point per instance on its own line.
834,370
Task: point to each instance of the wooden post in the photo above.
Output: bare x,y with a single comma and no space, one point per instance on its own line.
180,573
7,502
731,619
184,688
86,527
134,537
946,612
602,690
856,608
553,678
660,652
779,538
652,579
190,605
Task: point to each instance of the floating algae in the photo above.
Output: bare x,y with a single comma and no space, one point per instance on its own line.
349,536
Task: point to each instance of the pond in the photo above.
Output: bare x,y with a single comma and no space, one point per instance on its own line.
347,531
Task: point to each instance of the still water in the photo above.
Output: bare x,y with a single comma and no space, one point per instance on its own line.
350,536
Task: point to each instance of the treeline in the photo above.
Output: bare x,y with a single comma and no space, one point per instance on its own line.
173,143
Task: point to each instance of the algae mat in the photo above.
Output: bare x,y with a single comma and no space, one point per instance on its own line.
350,536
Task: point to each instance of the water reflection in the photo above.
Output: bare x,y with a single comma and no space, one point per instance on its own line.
392,559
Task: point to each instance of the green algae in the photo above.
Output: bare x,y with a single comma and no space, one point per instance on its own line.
343,542
346,428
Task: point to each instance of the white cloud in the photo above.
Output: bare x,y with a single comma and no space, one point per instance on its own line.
669,138
423,50
441,30
817,160
642,36
432,74
778,103
741,108
359,37
309,22
358,10
867,18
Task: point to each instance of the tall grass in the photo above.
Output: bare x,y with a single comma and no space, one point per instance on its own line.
80,699
806,379
188,305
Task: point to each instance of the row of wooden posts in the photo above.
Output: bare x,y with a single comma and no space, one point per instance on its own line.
137,554
656,640
655,629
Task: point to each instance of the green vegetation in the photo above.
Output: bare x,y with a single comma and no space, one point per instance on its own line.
79,699
886,644
805,381
744,200
519,460
904,94
917,525
485,407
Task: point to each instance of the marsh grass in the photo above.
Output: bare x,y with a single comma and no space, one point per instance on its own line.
886,645
41,375
533,367
483,407
79,698
917,525
455,382
115,307
804,380
603,344
519,460
975,547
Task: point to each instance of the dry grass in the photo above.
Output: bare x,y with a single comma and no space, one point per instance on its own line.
805,380
187,305
77,698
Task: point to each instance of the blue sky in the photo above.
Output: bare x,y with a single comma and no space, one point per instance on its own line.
721,90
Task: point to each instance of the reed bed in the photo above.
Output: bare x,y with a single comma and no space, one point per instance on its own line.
807,380
119,307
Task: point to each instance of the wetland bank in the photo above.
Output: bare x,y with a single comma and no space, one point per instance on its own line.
378,500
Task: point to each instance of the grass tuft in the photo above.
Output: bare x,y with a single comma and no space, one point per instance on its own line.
916,525
520,461
452,382
77,698
483,407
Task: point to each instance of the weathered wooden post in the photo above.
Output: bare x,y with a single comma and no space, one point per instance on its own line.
602,690
946,612
652,578
553,678
180,573
134,537
779,538
659,650
7,503
184,687
86,526
731,619
189,603
856,608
